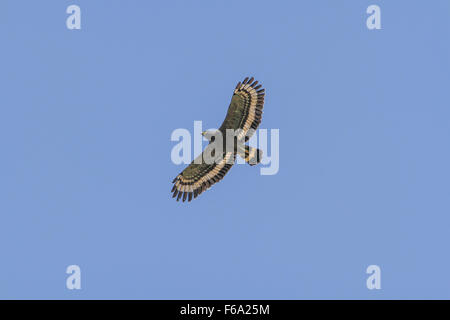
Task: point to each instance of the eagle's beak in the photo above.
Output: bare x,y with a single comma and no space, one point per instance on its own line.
203,133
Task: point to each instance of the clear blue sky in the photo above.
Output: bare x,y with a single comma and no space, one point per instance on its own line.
85,123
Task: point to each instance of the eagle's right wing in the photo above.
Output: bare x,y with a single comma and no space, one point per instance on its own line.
200,176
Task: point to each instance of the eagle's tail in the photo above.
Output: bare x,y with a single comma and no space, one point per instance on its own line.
251,155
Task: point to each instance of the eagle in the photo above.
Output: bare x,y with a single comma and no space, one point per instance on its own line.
243,116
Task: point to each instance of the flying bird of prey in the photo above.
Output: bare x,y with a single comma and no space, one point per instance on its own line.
244,113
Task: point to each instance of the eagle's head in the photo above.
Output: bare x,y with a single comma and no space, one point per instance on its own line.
209,134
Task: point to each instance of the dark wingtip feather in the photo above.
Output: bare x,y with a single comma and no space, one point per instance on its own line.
190,196
245,80
184,196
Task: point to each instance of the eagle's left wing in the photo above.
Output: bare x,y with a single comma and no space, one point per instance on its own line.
246,108
200,176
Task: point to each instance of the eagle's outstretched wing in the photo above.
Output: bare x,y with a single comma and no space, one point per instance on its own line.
245,110
200,176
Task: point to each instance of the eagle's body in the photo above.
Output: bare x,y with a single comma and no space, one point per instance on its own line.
244,114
